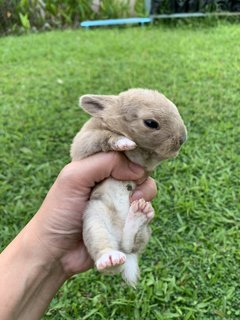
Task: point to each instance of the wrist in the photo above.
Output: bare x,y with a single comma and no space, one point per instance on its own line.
29,278
36,251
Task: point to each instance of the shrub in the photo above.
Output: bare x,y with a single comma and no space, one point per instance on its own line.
46,14
24,15
42,14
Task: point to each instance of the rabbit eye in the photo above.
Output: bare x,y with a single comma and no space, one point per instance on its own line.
150,123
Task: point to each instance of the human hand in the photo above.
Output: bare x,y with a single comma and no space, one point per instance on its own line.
58,223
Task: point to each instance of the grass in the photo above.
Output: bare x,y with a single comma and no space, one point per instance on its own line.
190,269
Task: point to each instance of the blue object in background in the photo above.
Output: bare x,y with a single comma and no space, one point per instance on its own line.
111,22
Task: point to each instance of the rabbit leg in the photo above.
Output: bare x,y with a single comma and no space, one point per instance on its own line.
136,232
100,238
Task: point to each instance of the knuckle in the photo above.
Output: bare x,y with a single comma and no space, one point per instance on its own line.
67,173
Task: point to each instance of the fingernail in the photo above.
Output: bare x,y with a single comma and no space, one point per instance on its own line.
136,196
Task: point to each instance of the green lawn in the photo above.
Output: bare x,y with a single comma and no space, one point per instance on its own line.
191,267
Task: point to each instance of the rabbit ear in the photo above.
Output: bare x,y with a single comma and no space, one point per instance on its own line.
97,105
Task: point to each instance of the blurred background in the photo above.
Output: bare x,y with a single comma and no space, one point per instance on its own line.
22,15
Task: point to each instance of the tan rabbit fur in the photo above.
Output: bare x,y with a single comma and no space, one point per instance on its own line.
148,128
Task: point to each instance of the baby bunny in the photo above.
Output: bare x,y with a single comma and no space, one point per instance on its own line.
148,128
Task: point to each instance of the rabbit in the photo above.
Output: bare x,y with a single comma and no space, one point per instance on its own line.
147,128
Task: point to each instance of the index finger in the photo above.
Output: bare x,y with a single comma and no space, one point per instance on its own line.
94,169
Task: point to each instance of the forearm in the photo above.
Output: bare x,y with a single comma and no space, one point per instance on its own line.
29,278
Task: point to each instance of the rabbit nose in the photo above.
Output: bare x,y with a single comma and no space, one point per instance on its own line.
182,139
